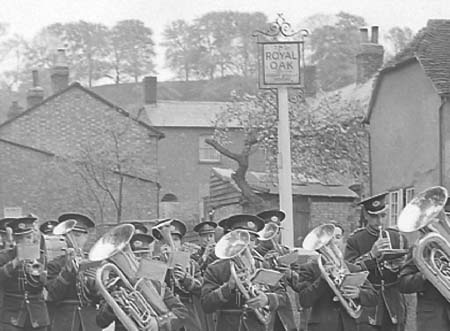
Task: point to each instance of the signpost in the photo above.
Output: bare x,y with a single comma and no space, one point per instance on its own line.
280,62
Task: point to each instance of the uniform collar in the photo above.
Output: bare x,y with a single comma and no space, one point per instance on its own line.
373,230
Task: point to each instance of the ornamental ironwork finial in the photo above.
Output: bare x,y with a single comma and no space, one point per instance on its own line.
281,29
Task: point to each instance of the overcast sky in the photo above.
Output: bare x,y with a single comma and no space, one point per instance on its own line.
26,17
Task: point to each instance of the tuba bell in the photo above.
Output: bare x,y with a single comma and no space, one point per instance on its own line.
235,247
135,302
431,251
335,269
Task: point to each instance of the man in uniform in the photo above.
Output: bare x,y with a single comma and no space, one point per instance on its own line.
23,280
140,245
204,257
286,318
185,283
221,295
139,228
71,291
207,233
366,247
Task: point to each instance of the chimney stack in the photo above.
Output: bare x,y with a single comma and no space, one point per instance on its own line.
60,72
14,110
150,90
35,93
370,56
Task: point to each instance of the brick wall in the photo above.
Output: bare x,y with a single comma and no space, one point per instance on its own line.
340,210
70,121
36,182
68,125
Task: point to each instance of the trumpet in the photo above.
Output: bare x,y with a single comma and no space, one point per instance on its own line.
386,260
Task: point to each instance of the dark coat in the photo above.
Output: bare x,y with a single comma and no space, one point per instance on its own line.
228,304
391,307
315,293
106,316
68,312
285,314
23,297
433,310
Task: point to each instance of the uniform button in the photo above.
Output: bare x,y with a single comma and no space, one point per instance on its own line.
27,301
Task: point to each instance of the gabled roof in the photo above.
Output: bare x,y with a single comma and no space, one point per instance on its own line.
264,183
154,131
431,48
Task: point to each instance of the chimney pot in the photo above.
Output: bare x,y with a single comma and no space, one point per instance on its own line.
14,110
60,72
35,93
364,32
150,89
375,31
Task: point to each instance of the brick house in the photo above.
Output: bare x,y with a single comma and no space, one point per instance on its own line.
409,119
184,159
47,148
314,202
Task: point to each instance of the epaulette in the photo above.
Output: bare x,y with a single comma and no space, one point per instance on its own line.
356,231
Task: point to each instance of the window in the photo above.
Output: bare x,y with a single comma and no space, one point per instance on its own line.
395,206
207,153
408,195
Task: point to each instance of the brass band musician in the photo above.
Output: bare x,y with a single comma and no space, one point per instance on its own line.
270,250
220,291
23,278
140,245
184,282
328,313
71,293
207,234
366,247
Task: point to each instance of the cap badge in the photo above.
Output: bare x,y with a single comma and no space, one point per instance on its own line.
376,203
21,226
172,228
251,225
274,219
138,243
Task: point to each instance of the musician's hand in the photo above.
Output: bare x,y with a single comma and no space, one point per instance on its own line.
350,292
70,256
380,245
179,272
259,301
232,283
15,262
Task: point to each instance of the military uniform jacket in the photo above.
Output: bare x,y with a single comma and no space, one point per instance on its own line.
228,304
23,296
106,316
67,312
202,262
391,301
433,310
285,313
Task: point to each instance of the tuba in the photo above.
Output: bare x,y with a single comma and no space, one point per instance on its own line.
431,251
335,269
135,302
235,247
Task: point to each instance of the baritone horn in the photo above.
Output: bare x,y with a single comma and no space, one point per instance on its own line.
321,239
431,251
135,302
235,247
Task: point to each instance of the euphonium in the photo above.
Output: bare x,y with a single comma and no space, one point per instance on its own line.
431,251
136,303
235,246
335,269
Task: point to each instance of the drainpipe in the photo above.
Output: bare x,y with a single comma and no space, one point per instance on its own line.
441,141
